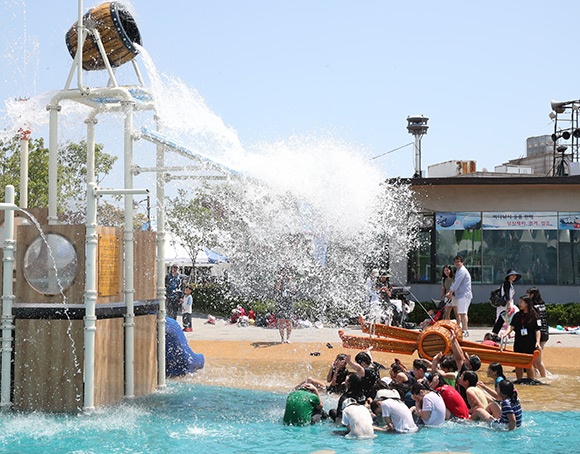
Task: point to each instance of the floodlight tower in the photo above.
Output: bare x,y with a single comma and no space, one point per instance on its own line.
417,125
566,128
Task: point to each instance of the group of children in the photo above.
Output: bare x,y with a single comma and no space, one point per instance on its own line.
428,394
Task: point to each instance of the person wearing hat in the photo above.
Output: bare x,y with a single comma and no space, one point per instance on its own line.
505,312
396,415
357,419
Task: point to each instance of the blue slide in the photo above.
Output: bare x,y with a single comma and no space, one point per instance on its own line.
179,358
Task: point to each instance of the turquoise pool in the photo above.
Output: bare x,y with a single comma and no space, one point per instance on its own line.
207,419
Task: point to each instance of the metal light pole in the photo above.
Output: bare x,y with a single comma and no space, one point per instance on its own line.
417,125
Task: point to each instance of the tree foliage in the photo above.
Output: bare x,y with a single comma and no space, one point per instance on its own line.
196,221
72,172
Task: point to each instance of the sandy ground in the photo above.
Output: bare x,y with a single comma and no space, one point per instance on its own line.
253,358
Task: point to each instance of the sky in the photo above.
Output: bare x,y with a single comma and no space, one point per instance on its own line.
483,72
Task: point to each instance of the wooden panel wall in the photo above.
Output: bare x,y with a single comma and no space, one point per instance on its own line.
109,363
75,293
104,281
145,354
145,265
48,365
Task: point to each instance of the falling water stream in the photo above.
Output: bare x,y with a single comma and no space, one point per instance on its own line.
312,203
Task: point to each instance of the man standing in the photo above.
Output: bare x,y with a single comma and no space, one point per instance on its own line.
460,293
173,291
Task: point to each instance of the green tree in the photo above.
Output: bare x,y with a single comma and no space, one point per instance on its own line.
110,215
196,221
72,172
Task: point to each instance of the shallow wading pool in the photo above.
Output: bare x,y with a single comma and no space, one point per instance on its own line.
209,419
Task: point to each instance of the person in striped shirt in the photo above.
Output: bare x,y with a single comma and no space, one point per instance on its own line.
505,414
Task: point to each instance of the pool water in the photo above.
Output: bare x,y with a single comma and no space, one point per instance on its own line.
209,419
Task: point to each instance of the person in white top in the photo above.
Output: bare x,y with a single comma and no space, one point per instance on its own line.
429,405
357,419
392,409
460,293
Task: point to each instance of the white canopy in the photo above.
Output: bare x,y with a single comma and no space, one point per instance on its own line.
176,253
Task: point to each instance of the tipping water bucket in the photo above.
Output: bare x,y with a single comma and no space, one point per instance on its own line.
118,32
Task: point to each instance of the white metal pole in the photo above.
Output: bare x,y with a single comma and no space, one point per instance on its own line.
90,320
128,242
23,199
418,155
53,109
160,192
91,122
81,32
91,247
7,299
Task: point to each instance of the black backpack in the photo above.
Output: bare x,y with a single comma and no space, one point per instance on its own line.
496,299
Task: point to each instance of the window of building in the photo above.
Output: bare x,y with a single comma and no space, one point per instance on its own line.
543,246
420,265
569,248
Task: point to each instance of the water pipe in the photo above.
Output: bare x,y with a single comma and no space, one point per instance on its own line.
161,297
90,319
54,108
138,72
128,241
91,123
7,297
91,286
81,36
78,61
131,192
24,137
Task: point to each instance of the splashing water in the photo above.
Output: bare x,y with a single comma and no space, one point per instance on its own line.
313,204
186,117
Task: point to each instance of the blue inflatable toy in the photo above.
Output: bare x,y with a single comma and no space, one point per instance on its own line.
179,358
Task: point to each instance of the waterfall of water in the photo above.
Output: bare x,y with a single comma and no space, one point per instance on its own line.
313,204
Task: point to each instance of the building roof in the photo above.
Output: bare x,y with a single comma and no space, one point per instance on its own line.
490,179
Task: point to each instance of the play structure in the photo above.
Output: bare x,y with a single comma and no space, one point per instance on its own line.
432,340
77,333
180,359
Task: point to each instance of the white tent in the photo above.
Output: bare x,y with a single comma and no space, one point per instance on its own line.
176,253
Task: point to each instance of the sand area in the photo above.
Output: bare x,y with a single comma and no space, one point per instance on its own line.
253,358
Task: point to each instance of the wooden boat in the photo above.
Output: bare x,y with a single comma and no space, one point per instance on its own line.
505,357
432,340
381,344
378,329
